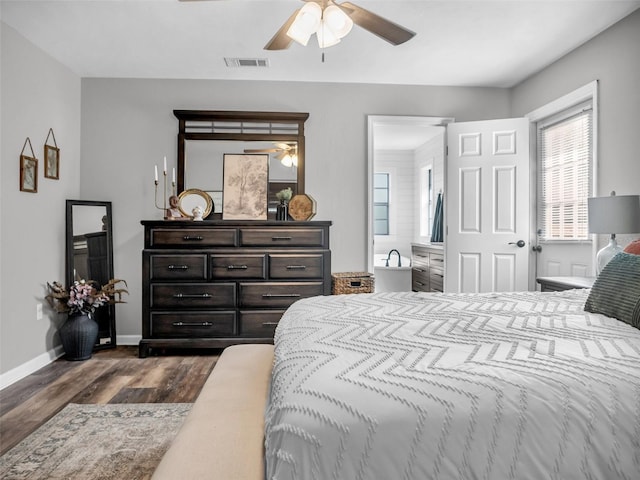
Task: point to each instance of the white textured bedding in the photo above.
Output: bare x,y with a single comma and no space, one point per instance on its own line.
439,386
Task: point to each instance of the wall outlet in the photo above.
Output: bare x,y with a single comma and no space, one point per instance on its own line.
38,311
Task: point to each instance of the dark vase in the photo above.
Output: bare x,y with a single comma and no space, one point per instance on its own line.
282,211
78,335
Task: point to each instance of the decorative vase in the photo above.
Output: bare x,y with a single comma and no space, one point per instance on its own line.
282,211
78,335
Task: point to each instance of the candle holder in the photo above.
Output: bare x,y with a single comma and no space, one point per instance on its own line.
165,206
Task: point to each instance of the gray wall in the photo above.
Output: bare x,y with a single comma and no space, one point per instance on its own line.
127,127
612,58
37,93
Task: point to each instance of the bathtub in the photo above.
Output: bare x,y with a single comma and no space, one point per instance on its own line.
391,278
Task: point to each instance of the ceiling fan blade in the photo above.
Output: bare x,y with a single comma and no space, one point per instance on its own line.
383,28
280,41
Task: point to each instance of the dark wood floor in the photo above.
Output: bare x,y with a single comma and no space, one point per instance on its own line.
110,376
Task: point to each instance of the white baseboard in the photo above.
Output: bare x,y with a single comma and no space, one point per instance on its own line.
27,368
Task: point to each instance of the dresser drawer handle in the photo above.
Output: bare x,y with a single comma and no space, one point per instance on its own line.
420,283
437,260
438,275
269,324
189,238
419,270
421,256
296,267
192,295
178,267
192,324
237,267
280,295
275,239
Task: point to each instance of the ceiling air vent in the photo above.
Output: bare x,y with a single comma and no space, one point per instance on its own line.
246,62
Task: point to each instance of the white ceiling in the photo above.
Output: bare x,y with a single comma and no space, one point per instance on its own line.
458,43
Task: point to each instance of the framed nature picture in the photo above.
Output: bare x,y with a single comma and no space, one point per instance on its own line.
28,174
51,162
245,186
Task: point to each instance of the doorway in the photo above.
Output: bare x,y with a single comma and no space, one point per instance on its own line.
403,148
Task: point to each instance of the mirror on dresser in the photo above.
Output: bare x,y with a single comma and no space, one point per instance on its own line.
89,256
204,137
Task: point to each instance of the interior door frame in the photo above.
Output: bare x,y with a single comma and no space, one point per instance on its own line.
393,120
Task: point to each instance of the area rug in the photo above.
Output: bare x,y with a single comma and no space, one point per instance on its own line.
91,442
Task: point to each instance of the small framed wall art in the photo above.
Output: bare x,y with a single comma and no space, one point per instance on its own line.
28,170
51,158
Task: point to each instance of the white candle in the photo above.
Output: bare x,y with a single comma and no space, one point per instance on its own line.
174,176
155,168
165,165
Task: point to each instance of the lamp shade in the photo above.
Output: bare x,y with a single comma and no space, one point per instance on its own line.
614,214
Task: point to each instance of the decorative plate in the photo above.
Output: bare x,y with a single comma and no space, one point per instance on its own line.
192,197
302,207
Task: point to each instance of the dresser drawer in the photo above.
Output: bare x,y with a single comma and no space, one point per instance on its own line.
419,281
186,325
193,295
419,256
276,294
436,280
436,260
178,267
194,237
282,237
296,266
259,323
238,266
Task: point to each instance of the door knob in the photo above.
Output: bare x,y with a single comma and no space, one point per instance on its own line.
519,243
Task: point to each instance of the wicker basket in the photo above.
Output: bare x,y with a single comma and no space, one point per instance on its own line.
351,282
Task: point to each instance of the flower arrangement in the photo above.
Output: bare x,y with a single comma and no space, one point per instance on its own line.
83,297
284,194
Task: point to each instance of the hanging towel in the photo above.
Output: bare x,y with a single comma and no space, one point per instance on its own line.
436,232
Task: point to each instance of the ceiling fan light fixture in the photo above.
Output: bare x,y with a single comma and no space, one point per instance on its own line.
306,23
326,37
287,160
339,22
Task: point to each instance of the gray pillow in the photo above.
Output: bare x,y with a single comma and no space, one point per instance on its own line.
616,291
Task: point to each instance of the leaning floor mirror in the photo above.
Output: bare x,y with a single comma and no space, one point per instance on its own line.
89,256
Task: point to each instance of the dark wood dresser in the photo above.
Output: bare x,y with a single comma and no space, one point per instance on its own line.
427,268
216,283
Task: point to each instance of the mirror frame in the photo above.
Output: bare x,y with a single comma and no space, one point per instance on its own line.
261,120
70,265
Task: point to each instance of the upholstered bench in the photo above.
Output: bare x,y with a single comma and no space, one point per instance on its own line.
223,434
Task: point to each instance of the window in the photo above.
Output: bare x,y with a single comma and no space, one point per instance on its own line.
381,204
426,201
565,170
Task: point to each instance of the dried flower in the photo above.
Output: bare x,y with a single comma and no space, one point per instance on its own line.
83,297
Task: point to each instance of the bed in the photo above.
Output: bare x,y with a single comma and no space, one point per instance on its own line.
411,385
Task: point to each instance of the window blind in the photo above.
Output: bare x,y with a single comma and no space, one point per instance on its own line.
381,204
565,166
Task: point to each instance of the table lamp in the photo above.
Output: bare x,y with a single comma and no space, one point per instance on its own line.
612,215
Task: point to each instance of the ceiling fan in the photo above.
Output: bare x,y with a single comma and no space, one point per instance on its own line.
331,21
287,153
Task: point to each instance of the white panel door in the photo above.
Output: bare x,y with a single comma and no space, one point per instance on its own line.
487,214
